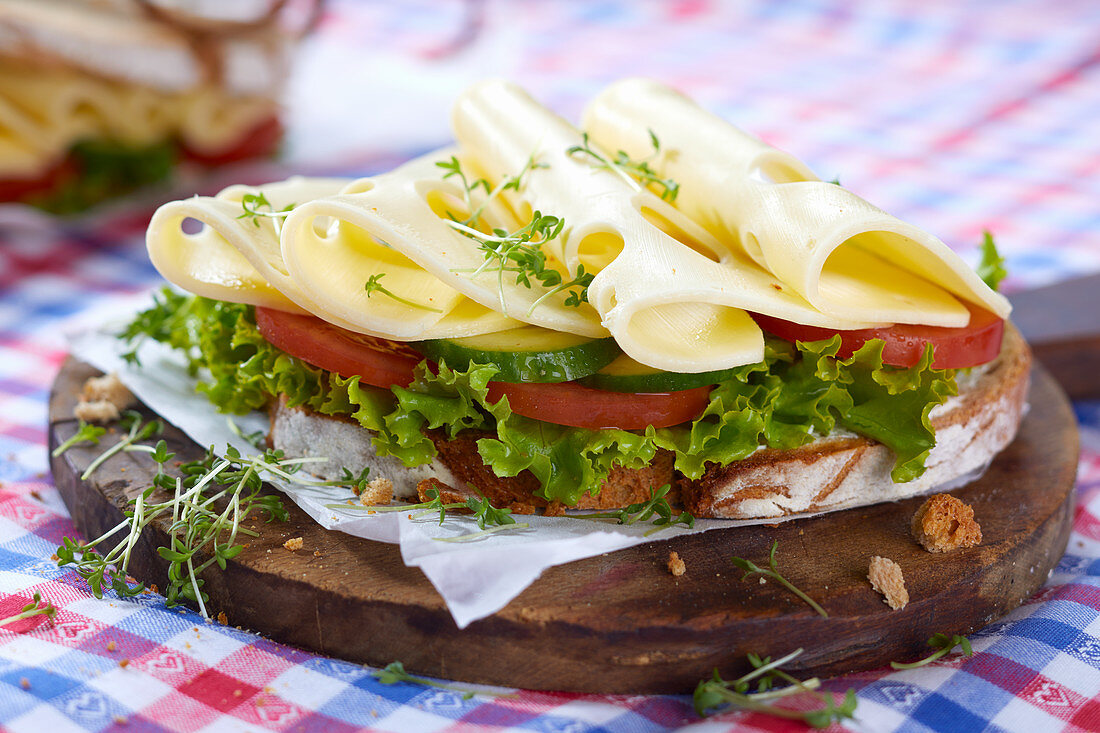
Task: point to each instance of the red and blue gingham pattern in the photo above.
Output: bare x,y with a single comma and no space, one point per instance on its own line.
958,117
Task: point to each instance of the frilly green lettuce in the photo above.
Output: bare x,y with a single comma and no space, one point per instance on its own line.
797,393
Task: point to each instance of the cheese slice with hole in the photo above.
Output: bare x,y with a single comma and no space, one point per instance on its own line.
846,257
396,225
240,259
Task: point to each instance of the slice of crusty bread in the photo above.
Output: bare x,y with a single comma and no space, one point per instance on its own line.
833,472
837,472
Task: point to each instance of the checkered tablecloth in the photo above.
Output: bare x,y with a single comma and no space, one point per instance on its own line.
957,116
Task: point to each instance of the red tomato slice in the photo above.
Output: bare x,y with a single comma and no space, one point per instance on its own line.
954,348
383,363
378,362
18,189
569,403
260,142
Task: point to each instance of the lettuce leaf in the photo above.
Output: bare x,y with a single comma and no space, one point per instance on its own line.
797,393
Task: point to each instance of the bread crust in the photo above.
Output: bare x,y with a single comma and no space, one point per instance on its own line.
831,473
838,473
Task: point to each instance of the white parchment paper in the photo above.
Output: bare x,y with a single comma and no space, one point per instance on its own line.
475,578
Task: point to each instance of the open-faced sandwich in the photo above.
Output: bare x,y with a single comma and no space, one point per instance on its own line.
98,98
555,318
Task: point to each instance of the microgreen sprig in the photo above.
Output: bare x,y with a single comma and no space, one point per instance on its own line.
454,168
490,519
715,693
255,439
657,506
638,173
943,645
85,433
519,251
207,505
394,672
751,568
136,431
34,608
374,286
251,203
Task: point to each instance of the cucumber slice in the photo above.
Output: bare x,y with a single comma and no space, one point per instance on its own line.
626,375
526,354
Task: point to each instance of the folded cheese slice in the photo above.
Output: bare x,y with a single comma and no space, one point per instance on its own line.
395,225
664,287
846,257
240,259
231,258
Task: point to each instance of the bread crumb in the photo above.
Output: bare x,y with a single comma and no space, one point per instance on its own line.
885,576
236,693
554,509
121,720
377,491
676,566
108,388
222,619
103,399
293,544
24,683
99,411
111,646
944,523
124,663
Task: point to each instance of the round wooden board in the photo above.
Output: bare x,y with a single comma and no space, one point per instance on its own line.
621,622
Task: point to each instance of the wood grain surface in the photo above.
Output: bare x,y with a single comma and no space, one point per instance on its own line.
621,622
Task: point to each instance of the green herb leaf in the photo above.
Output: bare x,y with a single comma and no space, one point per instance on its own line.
991,269
374,286
751,568
37,607
943,646
253,203
85,433
633,171
394,672
518,252
715,694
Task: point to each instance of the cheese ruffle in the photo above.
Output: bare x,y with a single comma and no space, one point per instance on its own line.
846,257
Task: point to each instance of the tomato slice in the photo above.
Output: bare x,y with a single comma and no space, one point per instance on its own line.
18,189
569,403
260,142
378,362
383,363
954,348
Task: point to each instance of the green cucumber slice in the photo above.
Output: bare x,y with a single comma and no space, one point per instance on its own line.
526,354
627,375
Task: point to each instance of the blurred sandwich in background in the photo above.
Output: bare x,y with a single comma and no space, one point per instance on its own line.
101,97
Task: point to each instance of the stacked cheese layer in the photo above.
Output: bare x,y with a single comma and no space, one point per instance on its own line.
751,229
